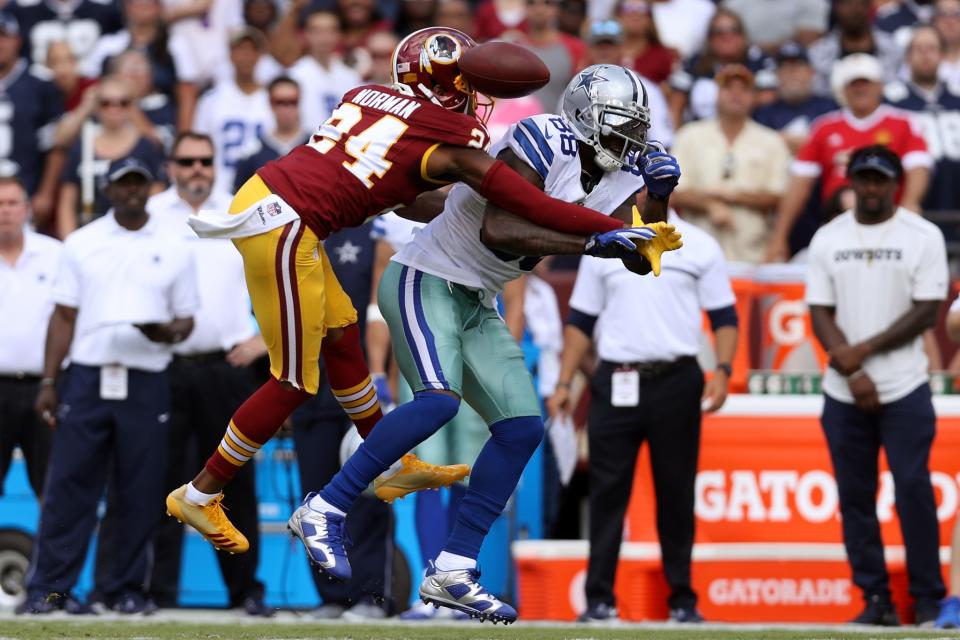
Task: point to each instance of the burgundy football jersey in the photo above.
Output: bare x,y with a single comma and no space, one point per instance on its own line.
367,157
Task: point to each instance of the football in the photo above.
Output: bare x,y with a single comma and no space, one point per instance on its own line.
503,70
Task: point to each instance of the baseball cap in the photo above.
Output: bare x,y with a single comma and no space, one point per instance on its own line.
256,36
792,52
126,166
857,66
606,31
874,162
734,72
8,24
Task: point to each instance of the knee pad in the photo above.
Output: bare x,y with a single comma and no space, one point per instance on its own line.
525,432
441,405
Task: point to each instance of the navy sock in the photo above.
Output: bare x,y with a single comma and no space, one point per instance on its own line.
432,526
494,477
397,433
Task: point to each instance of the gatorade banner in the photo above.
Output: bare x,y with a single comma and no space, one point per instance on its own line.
769,545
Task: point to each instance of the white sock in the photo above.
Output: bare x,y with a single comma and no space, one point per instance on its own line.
392,470
319,504
447,561
198,498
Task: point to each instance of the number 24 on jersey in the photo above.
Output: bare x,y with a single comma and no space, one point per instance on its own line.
369,147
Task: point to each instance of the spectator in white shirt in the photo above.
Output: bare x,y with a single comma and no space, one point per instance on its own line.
125,293
28,262
876,278
322,75
236,110
647,387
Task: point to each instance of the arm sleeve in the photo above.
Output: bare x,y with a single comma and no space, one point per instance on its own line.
932,276
184,297
66,286
507,189
819,288
589,296
583,321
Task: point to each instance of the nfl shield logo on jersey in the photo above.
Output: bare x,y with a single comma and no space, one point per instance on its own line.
273,209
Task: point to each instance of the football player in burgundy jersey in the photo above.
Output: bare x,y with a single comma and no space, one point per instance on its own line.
381,148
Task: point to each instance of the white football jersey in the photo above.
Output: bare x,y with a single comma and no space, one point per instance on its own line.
234,120
450,247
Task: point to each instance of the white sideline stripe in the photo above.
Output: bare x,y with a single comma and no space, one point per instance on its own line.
743,404
707,552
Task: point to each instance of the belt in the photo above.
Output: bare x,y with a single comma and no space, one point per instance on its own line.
198,359
19,377
653,368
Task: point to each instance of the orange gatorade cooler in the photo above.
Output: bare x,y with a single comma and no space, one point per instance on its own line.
786,336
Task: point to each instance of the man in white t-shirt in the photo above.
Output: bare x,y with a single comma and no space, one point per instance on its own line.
322,75
877,276
236,112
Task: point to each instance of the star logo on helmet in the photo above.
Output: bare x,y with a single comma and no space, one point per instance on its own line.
586,79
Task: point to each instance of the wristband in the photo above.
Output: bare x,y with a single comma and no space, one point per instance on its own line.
725,367
48,382
374,314
563,385
856,374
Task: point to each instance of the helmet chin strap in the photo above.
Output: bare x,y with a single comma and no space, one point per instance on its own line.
429,94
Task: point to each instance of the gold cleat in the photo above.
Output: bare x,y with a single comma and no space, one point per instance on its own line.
416,475
210,520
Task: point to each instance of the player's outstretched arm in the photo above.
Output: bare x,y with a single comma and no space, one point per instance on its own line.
505,231
426,207
496,182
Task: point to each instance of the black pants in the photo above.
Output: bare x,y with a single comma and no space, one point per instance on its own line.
204,396
20,426
92,436
369,523
668,418
905,430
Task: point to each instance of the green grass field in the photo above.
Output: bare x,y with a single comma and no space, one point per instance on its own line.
47,629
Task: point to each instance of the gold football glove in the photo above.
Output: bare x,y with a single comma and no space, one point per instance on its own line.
668,239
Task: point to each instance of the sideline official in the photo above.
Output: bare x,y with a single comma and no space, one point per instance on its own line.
125,292
648,387
28,263
876,278
209,378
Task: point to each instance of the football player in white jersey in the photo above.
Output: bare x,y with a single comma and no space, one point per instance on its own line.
236,112
437,297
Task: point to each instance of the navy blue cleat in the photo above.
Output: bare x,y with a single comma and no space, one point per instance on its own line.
461,590
323,534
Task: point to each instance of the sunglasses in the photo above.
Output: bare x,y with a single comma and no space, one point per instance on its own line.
634,7
107,102
187,161
279,102
947,14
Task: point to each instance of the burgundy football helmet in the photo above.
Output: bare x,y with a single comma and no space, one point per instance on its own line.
427,63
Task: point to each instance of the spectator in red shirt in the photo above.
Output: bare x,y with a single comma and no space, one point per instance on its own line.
65,73
857,82
562,53
645,54
495,18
